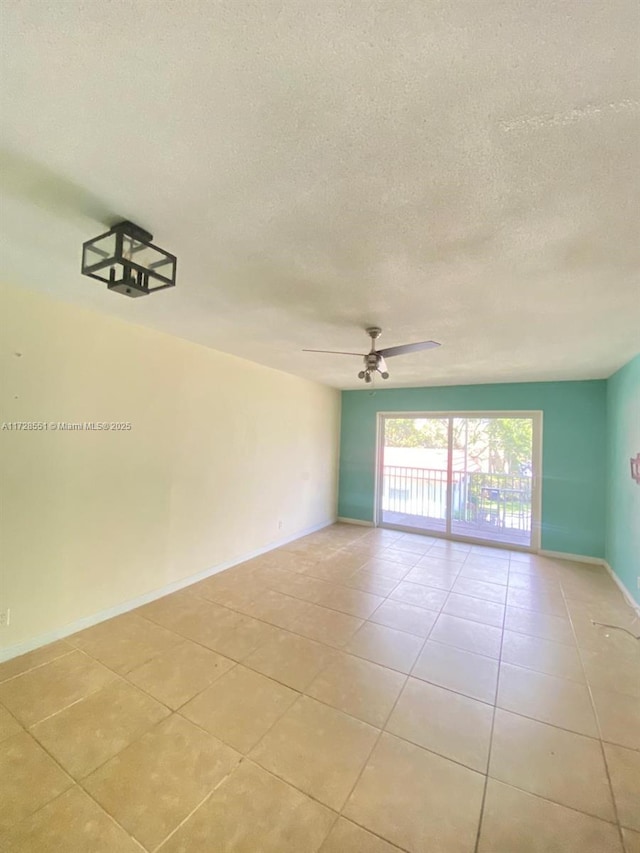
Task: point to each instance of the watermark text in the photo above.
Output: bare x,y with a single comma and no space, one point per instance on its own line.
66,426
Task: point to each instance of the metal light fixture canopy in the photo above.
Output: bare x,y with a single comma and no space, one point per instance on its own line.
127,261
373,361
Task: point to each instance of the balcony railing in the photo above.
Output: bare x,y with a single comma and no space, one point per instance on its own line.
497,501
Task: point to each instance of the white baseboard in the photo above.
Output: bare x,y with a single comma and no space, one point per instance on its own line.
88,621
633,604
597,561
357,521
576,558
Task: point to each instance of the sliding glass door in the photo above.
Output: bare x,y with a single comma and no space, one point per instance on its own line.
470,476
415,473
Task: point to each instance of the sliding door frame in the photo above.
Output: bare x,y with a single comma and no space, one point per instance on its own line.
536,417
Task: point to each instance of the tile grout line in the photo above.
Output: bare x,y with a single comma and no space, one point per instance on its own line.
343,651
493,723
111,817
544,723
118,676
555,802
302,693
393,844
36,666
59,766
570,731
340,583
285,630
340,548
123,676
194,810
272,624
29,729
135,740
76,783
383,731
599,727
13,718
371,751
290,785
407,676
75,701
614,822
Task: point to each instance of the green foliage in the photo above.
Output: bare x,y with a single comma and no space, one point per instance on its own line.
511,441
496,445
416,432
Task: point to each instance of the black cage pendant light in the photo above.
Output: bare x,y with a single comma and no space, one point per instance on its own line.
127,261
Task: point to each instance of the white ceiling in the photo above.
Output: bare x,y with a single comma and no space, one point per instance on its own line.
464,171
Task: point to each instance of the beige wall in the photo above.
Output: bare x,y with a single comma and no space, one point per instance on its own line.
221,451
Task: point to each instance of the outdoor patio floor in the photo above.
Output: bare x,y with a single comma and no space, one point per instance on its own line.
487,532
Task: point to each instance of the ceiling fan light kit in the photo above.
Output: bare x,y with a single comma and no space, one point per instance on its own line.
127,261
374,360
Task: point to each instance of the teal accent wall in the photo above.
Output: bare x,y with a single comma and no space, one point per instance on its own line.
623,494
573,449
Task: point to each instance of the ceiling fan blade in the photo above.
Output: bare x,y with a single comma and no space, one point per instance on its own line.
334,352
404,348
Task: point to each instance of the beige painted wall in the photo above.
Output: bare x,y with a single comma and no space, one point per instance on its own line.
221,450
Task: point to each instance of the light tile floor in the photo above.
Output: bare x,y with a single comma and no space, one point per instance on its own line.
356,691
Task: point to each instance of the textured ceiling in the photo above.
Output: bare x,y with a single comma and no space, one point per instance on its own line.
463,171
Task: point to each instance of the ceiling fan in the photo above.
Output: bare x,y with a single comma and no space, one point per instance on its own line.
374,360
